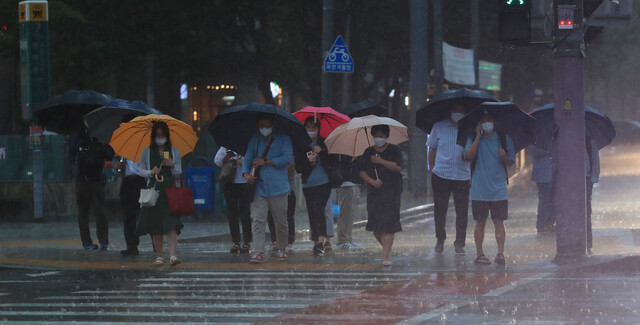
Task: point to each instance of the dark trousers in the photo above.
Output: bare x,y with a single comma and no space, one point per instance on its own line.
238,210
317,197
442,190
546,213
90,198
589,228
291,221
129,196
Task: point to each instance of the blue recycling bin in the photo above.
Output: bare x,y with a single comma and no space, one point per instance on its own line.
200,180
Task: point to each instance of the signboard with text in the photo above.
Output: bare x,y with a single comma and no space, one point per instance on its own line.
458,65
338,59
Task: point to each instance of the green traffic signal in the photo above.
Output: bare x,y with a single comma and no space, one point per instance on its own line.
515,2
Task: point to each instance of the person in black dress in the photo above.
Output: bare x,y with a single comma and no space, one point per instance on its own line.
380,168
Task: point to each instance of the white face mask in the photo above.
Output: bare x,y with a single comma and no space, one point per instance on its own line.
312,134
456,116
487,127
161,141
266,131
380,141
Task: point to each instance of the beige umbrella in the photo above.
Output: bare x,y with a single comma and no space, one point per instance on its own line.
354,137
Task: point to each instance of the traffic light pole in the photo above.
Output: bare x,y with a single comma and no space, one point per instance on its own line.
569,113
327,40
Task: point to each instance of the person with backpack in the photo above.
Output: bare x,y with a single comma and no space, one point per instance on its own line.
450,175
89,156
490,153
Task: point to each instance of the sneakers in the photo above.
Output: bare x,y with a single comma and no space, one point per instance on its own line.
130,251
350,247
327,246
289,248
104,246
90,246
439,247
256,258
246,248
273,247
460,250
282,255
318,249
235,249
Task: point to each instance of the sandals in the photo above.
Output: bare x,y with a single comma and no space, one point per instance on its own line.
386,263
482,260
175,260
159,262
500,259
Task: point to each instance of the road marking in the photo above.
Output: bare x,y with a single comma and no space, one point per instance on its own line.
156,305
172,315
36,275
258,279
191,296
257,285
289,273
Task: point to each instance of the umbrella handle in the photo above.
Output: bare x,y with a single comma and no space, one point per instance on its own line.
376,170
161,178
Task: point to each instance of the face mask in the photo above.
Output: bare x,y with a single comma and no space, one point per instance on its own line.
312,134
266,131
487,127
456,117
161,141
380,141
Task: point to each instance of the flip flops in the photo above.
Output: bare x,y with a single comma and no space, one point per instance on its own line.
482,260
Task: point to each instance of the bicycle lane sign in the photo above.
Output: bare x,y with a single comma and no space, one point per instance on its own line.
338,59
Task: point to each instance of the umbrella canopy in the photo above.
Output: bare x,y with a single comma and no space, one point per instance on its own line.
437,108
328,117
234,127
354,137
597,125
102,121
131,138
364,108
511,120
63,113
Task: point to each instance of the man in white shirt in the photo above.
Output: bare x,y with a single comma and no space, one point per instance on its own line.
450,174
132,183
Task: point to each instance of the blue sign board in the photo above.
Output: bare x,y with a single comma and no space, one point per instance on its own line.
338,59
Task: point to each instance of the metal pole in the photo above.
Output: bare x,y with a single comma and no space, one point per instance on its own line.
438,76
475,35
346,78
570,195
38,186
417,95
327,40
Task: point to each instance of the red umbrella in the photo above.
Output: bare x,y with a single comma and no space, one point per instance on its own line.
329,118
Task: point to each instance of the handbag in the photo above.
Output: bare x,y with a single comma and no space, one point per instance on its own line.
180,200
148,197
228,172
250,189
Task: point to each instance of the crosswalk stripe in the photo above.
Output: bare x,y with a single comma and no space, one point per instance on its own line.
258,285
158,305
311,300
207,315
313,279
297,273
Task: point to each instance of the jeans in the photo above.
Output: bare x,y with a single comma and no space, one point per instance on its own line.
90,198
260,208
442,190
348,202
546,212
238,212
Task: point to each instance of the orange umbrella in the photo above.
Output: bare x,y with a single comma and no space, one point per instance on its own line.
131,138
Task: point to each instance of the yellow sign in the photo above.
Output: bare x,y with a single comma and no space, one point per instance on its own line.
38,11
22,12
567,105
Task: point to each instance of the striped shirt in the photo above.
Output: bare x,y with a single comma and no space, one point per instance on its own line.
449,163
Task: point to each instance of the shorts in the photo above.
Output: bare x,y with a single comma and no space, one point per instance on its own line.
498,209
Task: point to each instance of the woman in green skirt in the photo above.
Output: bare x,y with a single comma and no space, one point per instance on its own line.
159,164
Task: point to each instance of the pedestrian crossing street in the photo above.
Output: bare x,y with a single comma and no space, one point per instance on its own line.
229,297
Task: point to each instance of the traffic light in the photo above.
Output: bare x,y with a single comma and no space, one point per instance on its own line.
515,21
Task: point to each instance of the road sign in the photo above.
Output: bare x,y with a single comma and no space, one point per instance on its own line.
35,73
338,59
35,136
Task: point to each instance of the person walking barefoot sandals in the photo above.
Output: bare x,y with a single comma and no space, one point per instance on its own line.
381,167
159,164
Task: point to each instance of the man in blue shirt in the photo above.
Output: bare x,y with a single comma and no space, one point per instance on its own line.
450,174
272,184
490,152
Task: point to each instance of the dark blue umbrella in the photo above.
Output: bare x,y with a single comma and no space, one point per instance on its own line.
437,109
63,113
364,108
597,125
102,121
234,127
510,120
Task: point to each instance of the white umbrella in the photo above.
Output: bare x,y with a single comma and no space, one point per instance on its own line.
354,137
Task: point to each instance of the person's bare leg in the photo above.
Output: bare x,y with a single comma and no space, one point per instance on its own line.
321,239
172,240
378,238
501,234
478,235
157,244
387,243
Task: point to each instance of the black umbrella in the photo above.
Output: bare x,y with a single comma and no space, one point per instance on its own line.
102,121
234,127
511,120
364,108
597,125
63,113
437,108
